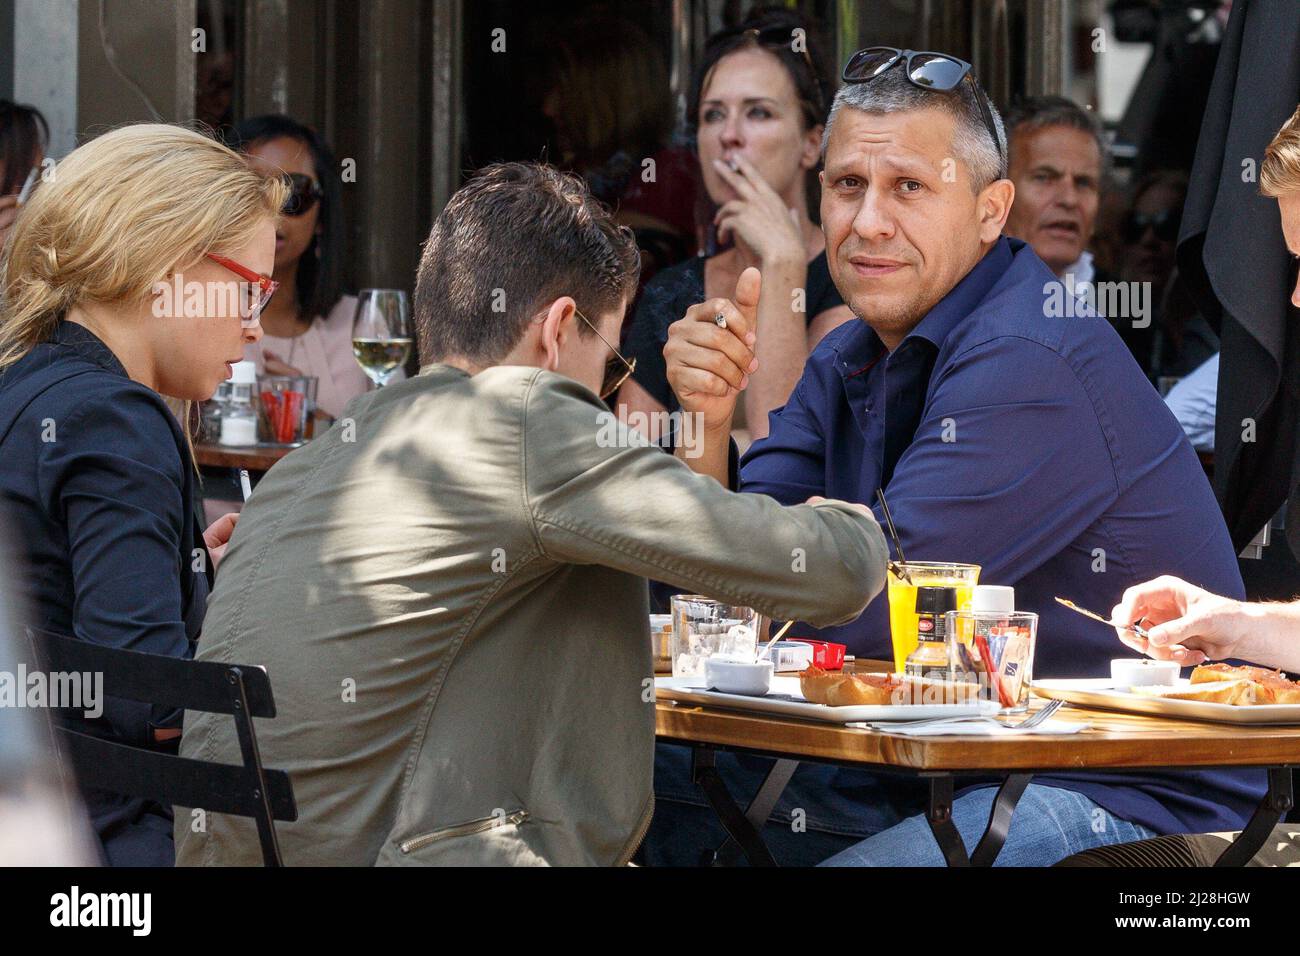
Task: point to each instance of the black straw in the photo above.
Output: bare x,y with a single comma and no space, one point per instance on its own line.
901,572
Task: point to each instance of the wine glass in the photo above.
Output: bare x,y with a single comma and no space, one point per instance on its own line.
381,333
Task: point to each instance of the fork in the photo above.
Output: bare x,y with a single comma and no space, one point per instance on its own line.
1029,723
1042,716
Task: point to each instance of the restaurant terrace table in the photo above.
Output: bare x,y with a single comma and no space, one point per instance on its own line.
1115,741
257,458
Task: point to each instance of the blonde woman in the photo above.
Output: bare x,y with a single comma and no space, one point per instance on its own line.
137,272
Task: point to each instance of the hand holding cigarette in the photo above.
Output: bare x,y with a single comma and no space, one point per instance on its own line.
709,361
218,536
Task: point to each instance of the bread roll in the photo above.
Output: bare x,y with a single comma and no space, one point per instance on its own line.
918,691
857,690
843,690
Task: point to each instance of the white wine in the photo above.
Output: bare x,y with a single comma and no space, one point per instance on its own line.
380,357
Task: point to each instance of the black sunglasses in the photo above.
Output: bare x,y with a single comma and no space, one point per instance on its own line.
924,68
1165,223
304,193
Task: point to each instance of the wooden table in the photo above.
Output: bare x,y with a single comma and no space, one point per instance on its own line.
1115,741
257,458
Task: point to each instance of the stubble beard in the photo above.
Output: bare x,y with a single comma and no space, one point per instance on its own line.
893,318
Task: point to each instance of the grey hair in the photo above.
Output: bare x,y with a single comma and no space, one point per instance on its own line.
1039,112
892,92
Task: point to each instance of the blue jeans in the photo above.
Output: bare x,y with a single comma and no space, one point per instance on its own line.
826,812
1049,824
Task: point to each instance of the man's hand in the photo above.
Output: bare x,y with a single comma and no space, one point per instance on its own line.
708,365
1184,623
218,536
856,506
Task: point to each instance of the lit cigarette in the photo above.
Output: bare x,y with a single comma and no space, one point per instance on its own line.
245,484
28,183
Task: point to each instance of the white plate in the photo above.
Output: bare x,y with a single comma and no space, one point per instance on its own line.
1102,692
785,699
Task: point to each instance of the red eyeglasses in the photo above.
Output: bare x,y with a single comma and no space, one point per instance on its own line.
257,289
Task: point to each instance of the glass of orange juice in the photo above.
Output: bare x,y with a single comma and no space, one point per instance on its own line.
902,598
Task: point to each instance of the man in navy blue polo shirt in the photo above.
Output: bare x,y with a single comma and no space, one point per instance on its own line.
1007,429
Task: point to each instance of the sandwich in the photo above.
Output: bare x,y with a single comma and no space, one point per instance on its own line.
1270,687
1209,673
839,689
1210,692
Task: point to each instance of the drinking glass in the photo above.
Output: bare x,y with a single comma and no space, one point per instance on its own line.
381,333
994,649
902,598
703,627
287,408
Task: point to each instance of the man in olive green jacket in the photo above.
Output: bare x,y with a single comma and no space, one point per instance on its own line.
448,589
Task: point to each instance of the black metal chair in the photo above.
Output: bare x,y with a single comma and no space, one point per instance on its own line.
243,691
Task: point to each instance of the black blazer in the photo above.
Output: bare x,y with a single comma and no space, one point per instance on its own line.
99,492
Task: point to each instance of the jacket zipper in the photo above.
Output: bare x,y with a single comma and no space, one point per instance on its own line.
640,835
463,829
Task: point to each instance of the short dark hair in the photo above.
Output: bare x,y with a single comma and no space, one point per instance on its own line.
515,237
320,281
1040,112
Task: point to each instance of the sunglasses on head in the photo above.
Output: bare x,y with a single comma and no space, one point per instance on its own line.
773,38
304,193
924,68
1165,223
769,37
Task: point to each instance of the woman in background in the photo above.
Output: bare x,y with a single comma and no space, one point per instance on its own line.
757,106
610,108
24,135
308,327
97,478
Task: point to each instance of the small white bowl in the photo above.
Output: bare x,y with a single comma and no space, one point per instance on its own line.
1143,672
737,675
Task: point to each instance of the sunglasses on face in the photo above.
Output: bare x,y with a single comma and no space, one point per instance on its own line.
617,368
304,193
1165,223
924,68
